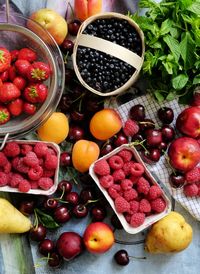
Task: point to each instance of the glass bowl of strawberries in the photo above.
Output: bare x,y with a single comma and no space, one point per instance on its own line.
31,75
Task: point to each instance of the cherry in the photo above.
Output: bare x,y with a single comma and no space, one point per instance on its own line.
106,148
67,46
137,112
72,198
55,260
98,213
65,159
27,207
121,139
86,194
64,185
177,180
75,133
137,138
153,137
168,133
163,146
151,156
61,214
146,124
116,222
38,233
65,103
74,26
92,105
46,246
69,75
121,257
166,115
77,116
80,211
50,204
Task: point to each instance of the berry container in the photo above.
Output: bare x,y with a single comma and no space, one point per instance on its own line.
17,32
114,50
149,220
38,191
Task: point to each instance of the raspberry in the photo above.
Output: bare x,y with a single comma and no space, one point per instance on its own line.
137,219
126,155
143,186
25,149
15,179
11,149
106,181
7,167
144,206
51,151
51,162
130,128
121,205
24,186
102,168
35,172
126,184
128,217
34,184
3,179
31,159
116,162
154,192
41,161
134,206
193,176
118,175
48,173
137,169
45,183
134,179
191,190
130,194
114,191
40,149
15,162
127,167
3,159
21,167
158,205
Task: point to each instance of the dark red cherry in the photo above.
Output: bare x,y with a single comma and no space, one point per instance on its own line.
55,260
75,133
137,138
177,180
106,148
65,186
153,137
62,214
168,133
98,213
77,116
121,139
72,198
74,26
67,46
38,233
166,115
137,112
65,159
151,156
46,246
27,207
50,204
146,124
121,257
80,211
86,194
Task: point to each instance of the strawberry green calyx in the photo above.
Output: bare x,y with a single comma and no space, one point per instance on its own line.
38,74
33,92
2,58
4,116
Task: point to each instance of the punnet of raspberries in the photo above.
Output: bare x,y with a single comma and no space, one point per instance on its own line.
133,193
27,166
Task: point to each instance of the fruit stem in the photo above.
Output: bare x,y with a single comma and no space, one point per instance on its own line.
136,143
140,258
72,10
91,201
36,221
65,56
168,162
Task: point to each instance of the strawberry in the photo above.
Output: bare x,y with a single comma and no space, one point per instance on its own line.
22,67
4,115
15,107
27,54
1,83
29,108
31,93
4,76
9,92
38,72
20,82
12,73
5,59
14,55
42,93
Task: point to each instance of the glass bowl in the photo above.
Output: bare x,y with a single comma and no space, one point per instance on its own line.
14,34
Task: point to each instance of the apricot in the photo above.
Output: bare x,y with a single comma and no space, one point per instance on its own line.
86,8
105,124
84,153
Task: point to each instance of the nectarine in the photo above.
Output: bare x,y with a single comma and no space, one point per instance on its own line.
86,8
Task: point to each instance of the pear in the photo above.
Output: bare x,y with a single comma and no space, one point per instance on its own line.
170,234
12,220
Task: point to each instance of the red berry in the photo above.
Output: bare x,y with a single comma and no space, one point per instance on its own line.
29,108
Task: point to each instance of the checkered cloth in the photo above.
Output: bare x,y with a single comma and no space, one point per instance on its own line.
162,169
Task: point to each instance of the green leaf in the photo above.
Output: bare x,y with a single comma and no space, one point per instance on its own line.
147,4
173,45
46,219
159,96
195,7
180,81
196,80
171,96
175,32
187,50
165,27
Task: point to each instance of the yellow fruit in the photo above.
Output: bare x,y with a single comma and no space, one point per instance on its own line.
170,234
84,153
12,220
55,129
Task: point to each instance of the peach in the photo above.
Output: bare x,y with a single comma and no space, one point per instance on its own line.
86,8
105,123
98,237
84,153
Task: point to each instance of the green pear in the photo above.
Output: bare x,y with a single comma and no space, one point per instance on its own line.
12,220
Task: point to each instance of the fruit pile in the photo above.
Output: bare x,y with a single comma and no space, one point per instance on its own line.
127,184
28,166
21,83
102,71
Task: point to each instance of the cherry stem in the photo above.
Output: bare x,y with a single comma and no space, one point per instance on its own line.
140,258
106,143
71,8
148,123
37,265
80,104
168,162
91,201
65,58
80,97
136,143
36,221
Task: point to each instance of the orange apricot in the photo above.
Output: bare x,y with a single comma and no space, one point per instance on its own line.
86,8
105,124
84,153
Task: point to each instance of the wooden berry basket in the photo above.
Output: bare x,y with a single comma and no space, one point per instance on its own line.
148,220
108,47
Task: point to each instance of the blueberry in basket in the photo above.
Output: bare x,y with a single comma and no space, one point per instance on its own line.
101,71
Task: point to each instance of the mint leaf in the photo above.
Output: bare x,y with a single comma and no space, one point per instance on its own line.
196,80
195,7
171,96
159,96
180,81
187,50
165,27
46,219
173,45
